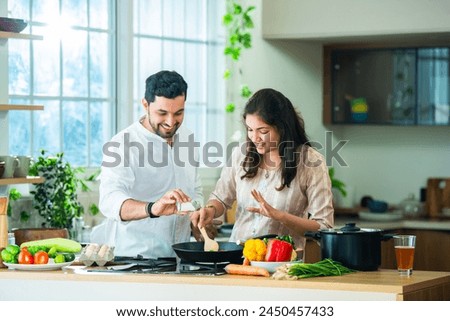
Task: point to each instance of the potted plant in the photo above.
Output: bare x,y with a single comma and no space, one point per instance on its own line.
56,199
336,183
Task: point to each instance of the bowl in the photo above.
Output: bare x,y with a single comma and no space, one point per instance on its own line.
12,25
377,206
270,266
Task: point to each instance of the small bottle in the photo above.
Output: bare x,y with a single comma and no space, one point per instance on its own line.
11,238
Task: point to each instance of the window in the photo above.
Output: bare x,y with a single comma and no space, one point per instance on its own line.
185,36
72,72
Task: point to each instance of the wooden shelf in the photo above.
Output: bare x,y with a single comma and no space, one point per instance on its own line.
21,107
22,180
15,35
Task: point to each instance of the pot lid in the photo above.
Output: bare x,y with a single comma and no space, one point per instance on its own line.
350,228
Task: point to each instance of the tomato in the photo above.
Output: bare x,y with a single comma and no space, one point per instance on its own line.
40,257
25,257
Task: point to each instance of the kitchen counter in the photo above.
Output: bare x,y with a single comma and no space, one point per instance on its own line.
74,283
422,224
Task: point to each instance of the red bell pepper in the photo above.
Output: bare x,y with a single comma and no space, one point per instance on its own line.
278,251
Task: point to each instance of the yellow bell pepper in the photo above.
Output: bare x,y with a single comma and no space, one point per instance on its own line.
255,250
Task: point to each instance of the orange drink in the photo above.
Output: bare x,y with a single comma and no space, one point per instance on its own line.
404,253
404,256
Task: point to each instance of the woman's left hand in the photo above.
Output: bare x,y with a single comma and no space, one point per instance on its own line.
265,208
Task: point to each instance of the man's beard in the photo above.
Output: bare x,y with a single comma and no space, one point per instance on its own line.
163,134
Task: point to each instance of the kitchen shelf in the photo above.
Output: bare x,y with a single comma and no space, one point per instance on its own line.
22,180
15,35
20,107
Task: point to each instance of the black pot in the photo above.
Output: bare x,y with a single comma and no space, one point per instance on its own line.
355,248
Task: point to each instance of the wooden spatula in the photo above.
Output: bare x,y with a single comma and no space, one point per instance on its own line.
210,245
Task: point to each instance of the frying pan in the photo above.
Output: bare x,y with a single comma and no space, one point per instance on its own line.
228,252
193,252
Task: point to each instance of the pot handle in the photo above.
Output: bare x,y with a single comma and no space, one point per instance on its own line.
386,237
314,235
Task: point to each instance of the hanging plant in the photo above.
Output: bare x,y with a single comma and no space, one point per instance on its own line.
238,23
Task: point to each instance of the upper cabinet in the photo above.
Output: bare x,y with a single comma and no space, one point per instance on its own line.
387,86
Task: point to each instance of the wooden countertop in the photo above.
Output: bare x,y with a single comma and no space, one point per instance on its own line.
421,285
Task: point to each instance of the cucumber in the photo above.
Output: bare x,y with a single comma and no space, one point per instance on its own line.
69,257
61,244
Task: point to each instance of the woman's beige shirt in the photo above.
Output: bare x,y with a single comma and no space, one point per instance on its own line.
309,195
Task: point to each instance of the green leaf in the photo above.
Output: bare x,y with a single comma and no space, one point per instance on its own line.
227,74
230,108
227,19
245,91
93,209
335,183
237,8
246,40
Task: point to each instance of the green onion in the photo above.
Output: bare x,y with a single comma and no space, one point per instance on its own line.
326,267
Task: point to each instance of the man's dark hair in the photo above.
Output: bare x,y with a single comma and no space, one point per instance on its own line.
168,84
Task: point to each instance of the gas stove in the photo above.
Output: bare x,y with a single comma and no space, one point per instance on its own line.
169,265
205,268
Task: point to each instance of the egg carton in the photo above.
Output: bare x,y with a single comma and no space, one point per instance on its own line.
96,253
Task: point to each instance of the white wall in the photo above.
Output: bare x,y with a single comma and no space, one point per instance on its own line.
384,162
314,19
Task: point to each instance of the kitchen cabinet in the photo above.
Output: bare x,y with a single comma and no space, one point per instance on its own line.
387,85
5,108
404,86
431,253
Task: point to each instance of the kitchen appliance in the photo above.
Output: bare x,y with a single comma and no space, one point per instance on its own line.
167,265
138,264
355,248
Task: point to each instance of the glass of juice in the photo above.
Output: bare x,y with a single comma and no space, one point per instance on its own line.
404,253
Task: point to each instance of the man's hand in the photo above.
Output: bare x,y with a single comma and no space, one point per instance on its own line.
167,205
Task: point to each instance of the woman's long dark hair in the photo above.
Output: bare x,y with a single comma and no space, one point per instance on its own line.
277,111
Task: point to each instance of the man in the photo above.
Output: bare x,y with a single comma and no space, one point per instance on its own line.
147,169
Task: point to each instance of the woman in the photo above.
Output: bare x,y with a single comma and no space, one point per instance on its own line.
280,183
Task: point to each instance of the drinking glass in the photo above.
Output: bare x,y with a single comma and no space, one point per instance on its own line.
404,253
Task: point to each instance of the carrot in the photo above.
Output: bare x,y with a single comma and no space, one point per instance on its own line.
246,270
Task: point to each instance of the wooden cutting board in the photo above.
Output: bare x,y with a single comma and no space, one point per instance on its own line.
438,196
